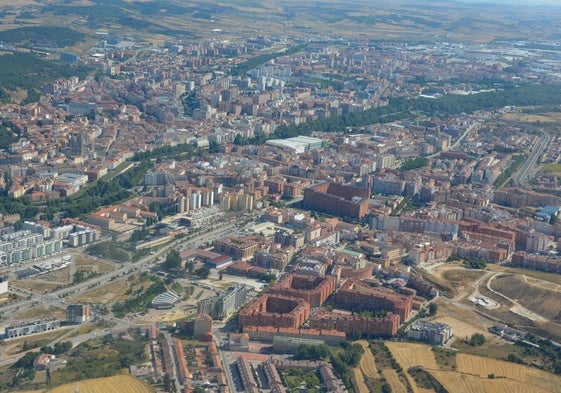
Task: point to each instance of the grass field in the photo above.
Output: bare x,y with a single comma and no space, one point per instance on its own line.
117,384
551,168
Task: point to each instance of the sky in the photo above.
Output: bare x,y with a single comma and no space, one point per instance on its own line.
514,2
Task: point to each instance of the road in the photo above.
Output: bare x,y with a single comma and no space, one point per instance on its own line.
56,298
521,176
458,141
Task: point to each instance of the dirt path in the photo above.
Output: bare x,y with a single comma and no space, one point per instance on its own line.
542,284
517,308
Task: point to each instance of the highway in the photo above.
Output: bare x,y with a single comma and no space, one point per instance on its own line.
56,298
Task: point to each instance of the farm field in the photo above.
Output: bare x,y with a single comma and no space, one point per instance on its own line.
367,363
393,380
358,381
466,373
117,384
477,365
410,354
463,383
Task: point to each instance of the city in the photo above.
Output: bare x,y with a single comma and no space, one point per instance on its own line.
271,198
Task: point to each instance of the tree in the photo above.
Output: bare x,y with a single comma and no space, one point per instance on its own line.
433,308
203,272
312,352
169,386
512,357
173,260
477,339
189,265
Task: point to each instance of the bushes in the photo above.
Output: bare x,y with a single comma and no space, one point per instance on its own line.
312,352
140,302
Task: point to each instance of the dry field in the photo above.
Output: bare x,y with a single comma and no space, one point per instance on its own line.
409,354
84,262
549,277
481,366
472,373
461,275
367,363
463,320
50,281
15,346
36,286
393,380
40,312
531,118
358,381
463,383
107,294
530,294
117,384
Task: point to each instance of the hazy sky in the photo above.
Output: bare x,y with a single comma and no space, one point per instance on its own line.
514,2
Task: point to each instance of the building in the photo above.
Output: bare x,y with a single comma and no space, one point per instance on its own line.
273,377
276,311
238,342
49,362
3,286
246,374
77,313
24,245
26,328
430,332
283,344
358,296
313,289
241,248
268,333
537,262
227,303
183,372
202,326
355,326
165,300
337,199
